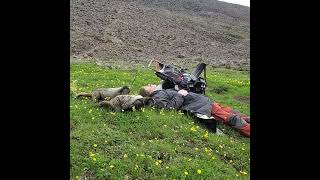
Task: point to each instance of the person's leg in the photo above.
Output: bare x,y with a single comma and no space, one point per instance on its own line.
231,111
234,120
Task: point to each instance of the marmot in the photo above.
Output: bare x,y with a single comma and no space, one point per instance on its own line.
105,93
126,102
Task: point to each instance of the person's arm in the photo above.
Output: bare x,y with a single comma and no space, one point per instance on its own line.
175,102
163,100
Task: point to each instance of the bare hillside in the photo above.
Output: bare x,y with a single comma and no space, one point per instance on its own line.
180,31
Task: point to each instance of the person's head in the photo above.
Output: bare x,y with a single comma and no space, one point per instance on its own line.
147,90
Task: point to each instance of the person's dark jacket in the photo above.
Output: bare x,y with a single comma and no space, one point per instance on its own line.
192,102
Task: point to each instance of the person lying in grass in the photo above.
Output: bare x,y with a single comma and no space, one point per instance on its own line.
196,104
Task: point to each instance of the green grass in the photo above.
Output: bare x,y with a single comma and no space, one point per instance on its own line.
153,144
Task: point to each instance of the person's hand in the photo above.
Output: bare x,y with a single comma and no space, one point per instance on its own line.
183,92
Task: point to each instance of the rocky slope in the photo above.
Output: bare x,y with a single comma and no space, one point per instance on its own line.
178,31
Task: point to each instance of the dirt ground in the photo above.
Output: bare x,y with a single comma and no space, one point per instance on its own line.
181,32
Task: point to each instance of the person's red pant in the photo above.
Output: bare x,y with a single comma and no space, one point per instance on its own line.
235,119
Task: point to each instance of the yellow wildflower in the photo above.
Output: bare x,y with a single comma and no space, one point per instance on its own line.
111,166
206,135
95,145
167,167
199,171
113,113
125,156
90,111
94,159
193,129
196,149
189,160
243,173
158,162
186,173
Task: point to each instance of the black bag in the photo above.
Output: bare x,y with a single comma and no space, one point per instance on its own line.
174,77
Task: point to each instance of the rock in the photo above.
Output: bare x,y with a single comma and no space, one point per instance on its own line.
109,66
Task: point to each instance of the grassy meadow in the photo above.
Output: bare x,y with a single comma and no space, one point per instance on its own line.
151,144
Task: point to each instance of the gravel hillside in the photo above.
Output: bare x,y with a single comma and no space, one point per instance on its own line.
178,31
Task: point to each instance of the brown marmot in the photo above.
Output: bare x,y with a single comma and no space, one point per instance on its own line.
126,102
105,93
